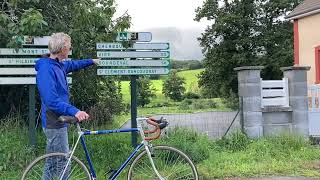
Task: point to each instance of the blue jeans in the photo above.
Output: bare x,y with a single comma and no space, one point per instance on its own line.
57,141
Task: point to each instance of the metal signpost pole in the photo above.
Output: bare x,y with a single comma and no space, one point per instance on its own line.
32,108
134,101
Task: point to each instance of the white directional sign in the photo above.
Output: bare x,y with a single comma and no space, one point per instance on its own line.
133,54
134,63
134,36
24,51
23,80
17,71
136,46
17,61
145,71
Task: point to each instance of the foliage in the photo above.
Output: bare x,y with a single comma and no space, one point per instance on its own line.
191,95
244,33
173,86
233,156
87,22
196,104
186,65
145,91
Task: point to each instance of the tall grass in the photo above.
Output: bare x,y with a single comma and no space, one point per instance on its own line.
234,155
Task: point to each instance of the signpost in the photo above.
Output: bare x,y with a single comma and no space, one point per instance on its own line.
145,59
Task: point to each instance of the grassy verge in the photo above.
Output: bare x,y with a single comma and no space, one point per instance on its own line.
234,156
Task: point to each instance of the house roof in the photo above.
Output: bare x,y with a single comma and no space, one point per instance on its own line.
306,8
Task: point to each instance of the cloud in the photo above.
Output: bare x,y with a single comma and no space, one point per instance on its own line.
183,42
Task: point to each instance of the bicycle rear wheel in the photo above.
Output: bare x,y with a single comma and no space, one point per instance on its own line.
51,167
170,162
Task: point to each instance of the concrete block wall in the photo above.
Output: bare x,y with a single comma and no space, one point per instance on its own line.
267,121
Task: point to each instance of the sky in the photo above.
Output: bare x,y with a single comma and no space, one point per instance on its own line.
148,14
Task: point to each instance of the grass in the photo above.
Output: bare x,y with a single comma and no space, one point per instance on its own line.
234,156
191,77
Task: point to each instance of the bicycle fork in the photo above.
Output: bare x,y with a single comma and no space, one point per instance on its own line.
147,148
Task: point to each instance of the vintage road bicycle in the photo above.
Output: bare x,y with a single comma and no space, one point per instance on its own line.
146,161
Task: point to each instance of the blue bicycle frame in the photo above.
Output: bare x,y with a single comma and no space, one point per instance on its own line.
115,174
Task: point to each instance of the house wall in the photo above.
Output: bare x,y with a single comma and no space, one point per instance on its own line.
309,39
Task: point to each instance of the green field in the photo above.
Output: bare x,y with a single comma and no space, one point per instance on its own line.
190,76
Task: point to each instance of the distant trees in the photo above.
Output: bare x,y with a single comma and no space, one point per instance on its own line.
186,64
173,86
244,33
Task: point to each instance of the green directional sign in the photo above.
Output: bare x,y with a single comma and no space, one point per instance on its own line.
133,54
17,61
137,71
134,63
135,46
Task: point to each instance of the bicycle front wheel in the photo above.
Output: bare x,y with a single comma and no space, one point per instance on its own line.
170,162
55,166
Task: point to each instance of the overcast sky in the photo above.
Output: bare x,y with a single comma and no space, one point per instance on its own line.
148,14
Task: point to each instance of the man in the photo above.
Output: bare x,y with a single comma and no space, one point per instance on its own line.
54,92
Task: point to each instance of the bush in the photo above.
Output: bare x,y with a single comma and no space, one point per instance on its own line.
173,86
145,91
191,95
186,104
197,104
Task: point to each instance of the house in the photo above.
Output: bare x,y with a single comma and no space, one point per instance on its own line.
306,22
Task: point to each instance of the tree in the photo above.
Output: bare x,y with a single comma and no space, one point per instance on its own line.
87,22
244,33
145,91
173,86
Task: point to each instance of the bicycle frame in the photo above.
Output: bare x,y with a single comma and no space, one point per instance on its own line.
101,132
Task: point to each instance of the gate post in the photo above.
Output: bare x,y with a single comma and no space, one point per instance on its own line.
298,97
249,87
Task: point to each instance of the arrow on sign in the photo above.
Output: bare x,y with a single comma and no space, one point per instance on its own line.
138,71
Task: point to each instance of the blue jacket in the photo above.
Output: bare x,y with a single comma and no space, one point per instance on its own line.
53,88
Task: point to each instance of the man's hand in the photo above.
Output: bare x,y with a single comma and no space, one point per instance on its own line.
96,61
81,115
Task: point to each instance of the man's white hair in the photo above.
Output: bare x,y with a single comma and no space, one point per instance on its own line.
57,42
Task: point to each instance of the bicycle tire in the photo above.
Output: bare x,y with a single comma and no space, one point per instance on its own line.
35,170
170,163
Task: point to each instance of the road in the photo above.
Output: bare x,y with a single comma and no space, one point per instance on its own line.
214,124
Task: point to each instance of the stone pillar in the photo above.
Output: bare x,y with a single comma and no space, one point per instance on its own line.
298,100
249,87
